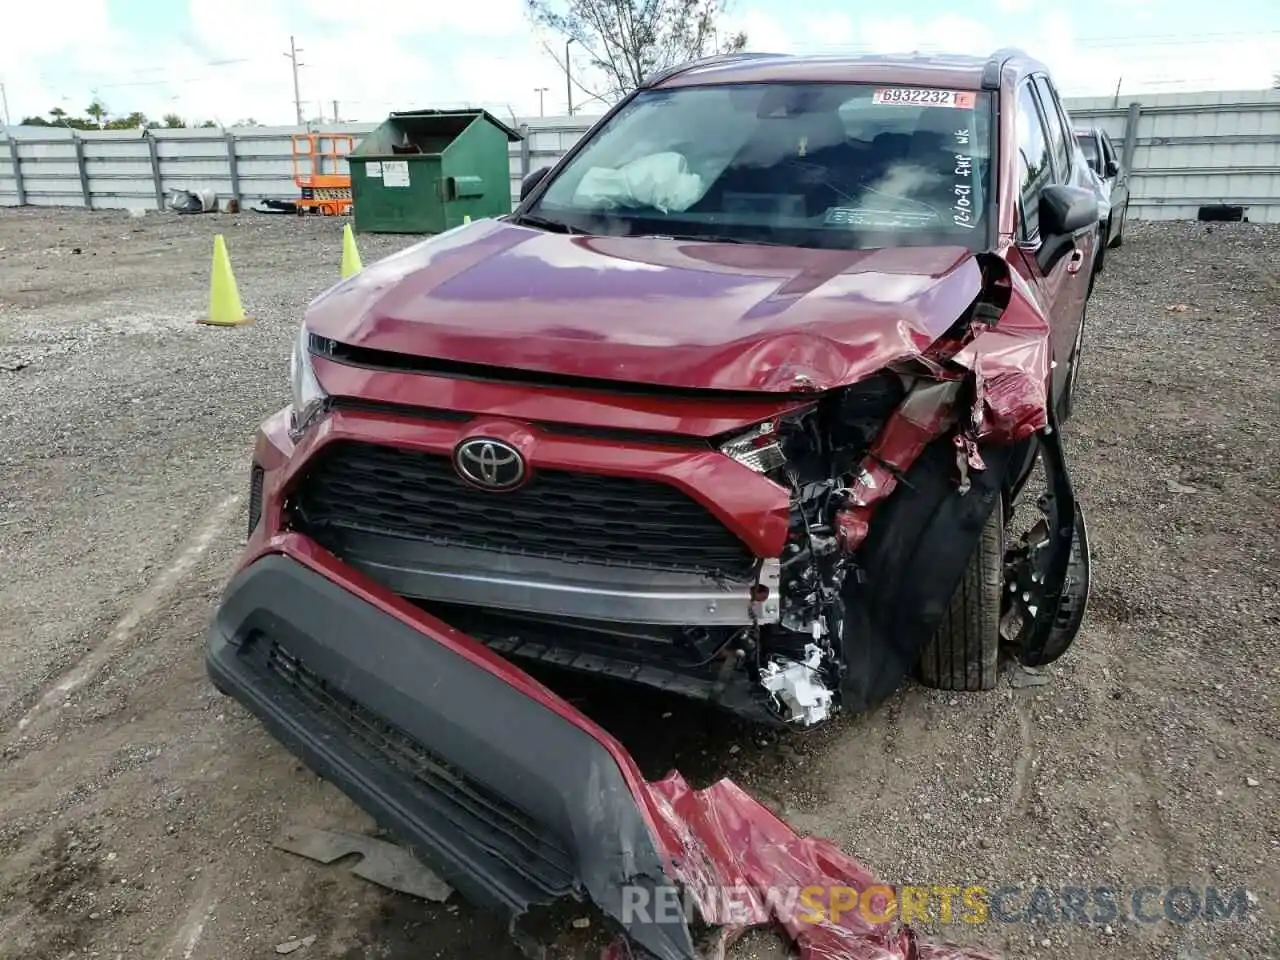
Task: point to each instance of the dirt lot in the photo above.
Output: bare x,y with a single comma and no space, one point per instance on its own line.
137,807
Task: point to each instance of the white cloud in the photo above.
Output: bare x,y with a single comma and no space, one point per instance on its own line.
374,56
1082,67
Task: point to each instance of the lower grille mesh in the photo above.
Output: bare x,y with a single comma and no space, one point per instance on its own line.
507,832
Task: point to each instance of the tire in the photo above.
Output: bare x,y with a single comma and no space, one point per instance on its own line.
964,653
1100,258
1118,239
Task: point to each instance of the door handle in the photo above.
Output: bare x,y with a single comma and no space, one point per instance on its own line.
1076,261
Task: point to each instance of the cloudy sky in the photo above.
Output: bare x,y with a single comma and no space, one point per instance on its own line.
224,59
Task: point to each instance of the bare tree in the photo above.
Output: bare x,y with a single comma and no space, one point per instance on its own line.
627,40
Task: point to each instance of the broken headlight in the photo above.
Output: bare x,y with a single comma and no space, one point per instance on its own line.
760,448
308,396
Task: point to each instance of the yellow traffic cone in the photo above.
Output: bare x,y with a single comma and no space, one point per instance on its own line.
224,296
351,264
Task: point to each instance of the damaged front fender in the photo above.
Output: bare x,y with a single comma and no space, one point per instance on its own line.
1009,362
917,502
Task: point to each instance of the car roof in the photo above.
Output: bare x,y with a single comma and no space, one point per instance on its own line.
911,69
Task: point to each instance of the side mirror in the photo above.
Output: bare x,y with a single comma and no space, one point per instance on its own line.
1066,210
1113,167
532,180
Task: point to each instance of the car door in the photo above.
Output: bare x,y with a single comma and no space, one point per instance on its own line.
1047,150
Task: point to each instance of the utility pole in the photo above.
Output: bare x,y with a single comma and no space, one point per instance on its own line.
4,103
335,112
568,77
540,91
294,50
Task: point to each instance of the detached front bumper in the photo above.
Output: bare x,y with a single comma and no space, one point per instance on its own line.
513,796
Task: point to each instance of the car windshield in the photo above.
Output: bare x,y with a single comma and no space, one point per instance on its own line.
830,165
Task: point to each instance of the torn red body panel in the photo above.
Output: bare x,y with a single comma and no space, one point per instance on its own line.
1008,366
744,867
924,415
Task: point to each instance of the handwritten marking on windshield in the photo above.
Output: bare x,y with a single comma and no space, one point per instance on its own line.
962,213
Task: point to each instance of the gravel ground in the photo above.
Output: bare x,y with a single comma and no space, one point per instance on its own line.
138,806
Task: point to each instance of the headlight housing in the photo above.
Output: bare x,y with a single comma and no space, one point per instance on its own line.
760,448
308,396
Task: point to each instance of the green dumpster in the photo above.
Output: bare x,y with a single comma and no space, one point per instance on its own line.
423,171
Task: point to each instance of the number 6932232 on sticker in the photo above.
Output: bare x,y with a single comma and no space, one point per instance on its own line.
925,97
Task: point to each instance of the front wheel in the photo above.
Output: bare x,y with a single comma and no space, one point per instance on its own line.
964,652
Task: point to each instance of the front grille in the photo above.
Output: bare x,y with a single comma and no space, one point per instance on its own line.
383,490
505,831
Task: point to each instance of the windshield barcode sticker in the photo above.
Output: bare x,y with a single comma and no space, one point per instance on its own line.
884,219
916,96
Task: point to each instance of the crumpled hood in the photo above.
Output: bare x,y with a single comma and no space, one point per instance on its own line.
669,313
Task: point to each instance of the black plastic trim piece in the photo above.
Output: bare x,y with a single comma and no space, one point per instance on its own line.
914,556
257,476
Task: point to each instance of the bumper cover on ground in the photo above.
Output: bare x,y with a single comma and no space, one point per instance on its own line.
511,802
514,797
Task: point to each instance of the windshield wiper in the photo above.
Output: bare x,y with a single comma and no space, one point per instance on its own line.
545,223
706,238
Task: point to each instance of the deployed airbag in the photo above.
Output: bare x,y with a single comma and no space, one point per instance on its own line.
661,180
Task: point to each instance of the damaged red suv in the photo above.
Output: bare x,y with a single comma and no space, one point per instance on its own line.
739,403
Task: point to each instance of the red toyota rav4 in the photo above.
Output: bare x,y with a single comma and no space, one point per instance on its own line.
737,404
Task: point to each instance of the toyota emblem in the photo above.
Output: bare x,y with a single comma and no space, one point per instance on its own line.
489,463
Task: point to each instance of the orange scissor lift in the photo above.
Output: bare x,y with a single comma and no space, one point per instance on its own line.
315,171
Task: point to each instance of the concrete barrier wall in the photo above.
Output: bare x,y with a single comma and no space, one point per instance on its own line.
1188,150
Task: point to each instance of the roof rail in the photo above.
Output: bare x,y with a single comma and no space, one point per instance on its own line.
666,74
995,63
